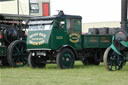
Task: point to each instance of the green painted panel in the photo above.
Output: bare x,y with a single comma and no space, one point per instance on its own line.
105,41
74,34
69,34
90,41
97,41
125,44
74,40
38,39
58,38
58,35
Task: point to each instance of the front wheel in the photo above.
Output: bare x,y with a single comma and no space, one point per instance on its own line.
112,61
65,59
36,61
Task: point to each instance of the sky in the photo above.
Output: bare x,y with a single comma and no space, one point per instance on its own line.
90,10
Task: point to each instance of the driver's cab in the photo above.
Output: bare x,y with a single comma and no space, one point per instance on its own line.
67,31
52,32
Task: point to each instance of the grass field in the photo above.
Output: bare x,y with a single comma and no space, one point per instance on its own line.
51,75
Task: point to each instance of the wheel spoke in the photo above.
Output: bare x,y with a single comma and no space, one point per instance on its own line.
15,55
24,61
115,61
16,60
24,55
116,67
111,67
112,63
17,50
22,48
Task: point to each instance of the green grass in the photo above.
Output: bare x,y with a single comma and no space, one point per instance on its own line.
51,75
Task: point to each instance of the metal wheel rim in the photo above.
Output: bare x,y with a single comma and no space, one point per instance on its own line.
67,60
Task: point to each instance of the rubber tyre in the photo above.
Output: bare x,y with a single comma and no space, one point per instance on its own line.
85,61
32,61
98,57
21,57
65,59
88,61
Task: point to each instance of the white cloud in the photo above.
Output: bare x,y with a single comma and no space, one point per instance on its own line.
90,10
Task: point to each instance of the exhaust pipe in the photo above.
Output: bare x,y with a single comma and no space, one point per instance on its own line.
124,14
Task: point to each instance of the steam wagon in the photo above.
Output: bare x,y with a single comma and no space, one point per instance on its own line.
58,39
116,55
12,40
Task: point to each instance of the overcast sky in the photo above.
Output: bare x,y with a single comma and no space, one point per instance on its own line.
90,10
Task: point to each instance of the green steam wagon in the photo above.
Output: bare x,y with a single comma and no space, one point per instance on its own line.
58,39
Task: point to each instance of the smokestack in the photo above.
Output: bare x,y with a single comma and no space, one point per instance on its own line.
124,13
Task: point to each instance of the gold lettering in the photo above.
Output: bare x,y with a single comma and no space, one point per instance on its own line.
74,38
35,40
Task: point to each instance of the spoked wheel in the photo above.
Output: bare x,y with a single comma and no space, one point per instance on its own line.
65,59
36,61
16,54
112,61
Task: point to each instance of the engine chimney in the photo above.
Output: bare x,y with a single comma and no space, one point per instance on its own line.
124,14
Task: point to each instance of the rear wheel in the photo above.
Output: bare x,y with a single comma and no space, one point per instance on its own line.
98,57
16,54
36,61
88,61
65,59
85,61
112,61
